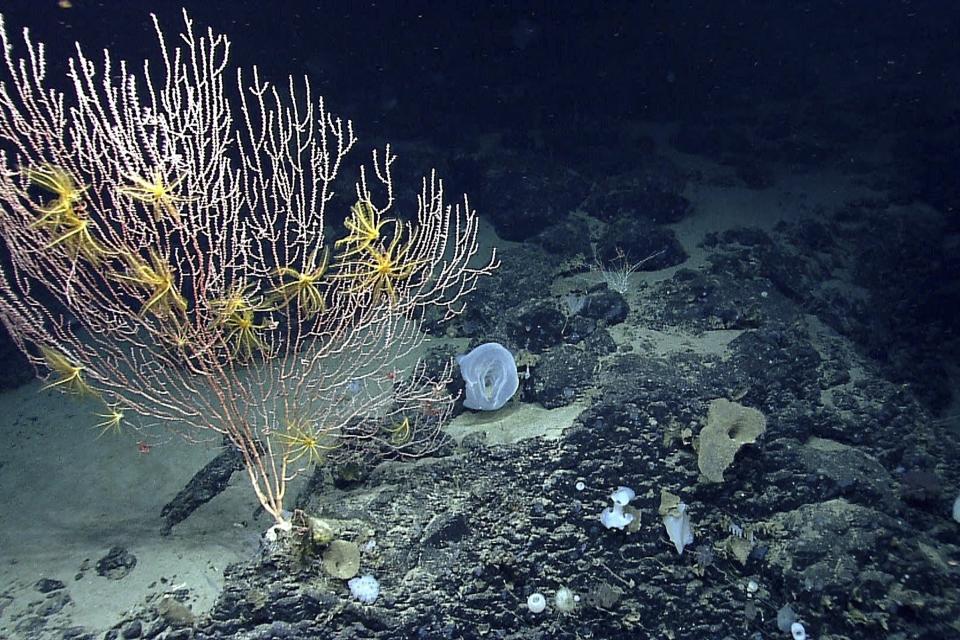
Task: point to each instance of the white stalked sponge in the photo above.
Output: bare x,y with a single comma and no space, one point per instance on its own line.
615,517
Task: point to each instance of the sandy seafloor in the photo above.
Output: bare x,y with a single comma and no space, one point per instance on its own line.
70,496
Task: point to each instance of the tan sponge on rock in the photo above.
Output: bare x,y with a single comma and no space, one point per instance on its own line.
729,426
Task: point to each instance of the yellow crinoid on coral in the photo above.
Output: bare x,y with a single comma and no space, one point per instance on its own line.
59,182
244,333
111,420
240,298
182,336
156,192
400,432
74,230
64,216
364,225
236,312
67,375
156,276
302,285
380,270
304,438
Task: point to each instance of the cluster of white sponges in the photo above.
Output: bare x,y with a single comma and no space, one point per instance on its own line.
564,601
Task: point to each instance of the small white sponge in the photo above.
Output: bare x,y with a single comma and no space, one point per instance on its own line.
366,589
